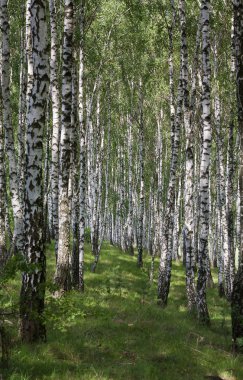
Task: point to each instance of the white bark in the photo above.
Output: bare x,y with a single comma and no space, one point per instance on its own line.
62,277
141,169
17,206
33,282
82,175
55,99
204,167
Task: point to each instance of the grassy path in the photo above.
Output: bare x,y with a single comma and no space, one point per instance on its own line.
116,331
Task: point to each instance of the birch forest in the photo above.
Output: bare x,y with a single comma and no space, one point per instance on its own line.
121,189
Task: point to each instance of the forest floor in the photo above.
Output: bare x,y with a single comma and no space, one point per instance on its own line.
115,330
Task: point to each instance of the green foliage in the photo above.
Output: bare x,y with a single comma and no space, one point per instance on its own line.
87,235
239,342
115,330
62,313
8,303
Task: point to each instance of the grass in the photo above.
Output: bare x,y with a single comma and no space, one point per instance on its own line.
115,330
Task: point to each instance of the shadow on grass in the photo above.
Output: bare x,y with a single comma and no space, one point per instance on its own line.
123,334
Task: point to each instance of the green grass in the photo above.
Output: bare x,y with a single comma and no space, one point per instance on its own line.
115,330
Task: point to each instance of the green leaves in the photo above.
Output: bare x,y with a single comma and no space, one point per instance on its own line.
64,312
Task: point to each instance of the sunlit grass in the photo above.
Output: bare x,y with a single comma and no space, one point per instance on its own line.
115,330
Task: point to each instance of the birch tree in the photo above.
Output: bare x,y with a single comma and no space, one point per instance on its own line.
202,308
17,206
141,170
33,282
62,276
237,294
166,249
55,99
3,250
82,179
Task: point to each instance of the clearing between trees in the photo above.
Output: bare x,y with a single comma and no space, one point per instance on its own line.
116,330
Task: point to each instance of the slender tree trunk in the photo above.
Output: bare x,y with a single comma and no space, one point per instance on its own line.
82,175
202,308
141,196
3,250
74,175
166,251
46,176
130,189
17,206
104,223
237,294
189,188
99,164
159,164
55,99
229,253
33,281
22,117
222,251
94,160
29,56
62,276
176,223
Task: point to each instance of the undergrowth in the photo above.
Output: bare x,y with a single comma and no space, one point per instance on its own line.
115,330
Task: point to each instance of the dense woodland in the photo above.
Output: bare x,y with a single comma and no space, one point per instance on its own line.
121,127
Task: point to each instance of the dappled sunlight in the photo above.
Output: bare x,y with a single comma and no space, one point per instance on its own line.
115,330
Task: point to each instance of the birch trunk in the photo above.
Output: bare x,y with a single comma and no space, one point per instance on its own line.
202,308
2,194
17,206
166,249
62,276
33,282
98,230
237,294
22,118
141,195
74,176
221,183
130,189
189,186
55,99
82,174
46,176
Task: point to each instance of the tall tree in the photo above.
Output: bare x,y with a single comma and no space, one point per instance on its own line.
202,308
17,205
82,179
141,172
166,246
55,98
33,282
237,294
188,230
62,276
2,193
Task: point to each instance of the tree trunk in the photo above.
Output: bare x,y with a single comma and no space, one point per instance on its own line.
33,282
204,168
141,196
22,117
166,251
3,250
62,276
82,174
130,189
189,184
55,99
237,294
17,206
